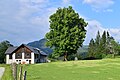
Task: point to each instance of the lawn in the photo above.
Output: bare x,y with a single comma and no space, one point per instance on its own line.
106,69
8,72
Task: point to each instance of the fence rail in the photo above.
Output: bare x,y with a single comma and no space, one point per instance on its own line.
18,74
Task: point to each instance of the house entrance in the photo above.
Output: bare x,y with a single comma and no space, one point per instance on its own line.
29,61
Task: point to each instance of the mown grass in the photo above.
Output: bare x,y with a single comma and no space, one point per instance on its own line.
8,72
106,69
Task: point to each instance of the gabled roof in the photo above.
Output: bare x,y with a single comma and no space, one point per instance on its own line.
36,50
10,50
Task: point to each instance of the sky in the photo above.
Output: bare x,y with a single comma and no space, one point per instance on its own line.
24,21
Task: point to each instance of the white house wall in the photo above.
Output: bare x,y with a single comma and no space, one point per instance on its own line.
8,61
32,57
26,61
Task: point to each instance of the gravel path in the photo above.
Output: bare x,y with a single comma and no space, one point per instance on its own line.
2,69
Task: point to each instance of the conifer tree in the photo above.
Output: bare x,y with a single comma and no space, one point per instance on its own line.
97,40
103,43
91,49
97,46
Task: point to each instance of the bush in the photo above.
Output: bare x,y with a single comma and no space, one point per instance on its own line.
109,56
71,57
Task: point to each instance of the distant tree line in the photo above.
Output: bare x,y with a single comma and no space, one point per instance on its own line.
103,46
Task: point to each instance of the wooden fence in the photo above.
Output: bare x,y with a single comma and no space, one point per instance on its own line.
18,74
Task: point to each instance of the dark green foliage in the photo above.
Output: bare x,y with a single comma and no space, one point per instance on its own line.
67,31
98,38
3,47
103,40
115,48
103,46
91,48
71,57
96,47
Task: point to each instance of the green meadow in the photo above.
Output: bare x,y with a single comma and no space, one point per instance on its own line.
8,72
105,69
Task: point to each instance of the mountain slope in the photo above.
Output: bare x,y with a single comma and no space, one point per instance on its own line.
41,45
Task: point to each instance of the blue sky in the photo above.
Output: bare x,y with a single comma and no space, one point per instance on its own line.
23,21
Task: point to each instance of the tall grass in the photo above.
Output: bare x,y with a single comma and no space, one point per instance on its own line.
8,72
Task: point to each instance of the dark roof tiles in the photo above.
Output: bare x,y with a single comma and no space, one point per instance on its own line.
10,50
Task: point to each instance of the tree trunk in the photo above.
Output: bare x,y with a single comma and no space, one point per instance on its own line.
65,56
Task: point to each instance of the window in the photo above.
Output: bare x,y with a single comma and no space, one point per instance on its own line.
36,56
27,55
10,56
18,56
29,61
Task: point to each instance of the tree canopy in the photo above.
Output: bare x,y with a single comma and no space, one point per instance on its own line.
67,31
3,47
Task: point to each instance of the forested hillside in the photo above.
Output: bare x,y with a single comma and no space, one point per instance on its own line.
41,45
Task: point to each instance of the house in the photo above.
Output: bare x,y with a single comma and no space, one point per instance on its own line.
24,54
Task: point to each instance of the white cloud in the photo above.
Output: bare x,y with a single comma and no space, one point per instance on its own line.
92,29
23,21
66,1
99,5
108,10
115,33
95,26
16,17
29,7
